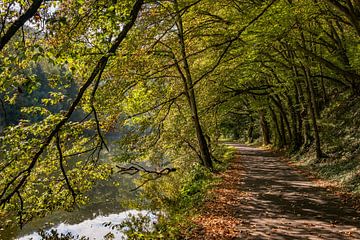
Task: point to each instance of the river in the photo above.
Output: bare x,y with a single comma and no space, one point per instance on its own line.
108,203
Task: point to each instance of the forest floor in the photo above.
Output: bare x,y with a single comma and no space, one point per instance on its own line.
262,197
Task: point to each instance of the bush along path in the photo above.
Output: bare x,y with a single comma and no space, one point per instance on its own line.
262,197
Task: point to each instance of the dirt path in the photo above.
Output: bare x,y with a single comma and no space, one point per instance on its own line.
261,197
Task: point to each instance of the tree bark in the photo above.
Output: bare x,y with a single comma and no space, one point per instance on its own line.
312,106
282,129
20,22
299,100
250,134
190,93
284,120
295,141
278,136
349,11
264,128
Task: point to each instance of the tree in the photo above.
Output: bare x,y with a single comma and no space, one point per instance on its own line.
167,77
40,147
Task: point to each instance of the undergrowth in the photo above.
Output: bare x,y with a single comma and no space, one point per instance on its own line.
340,135
176,198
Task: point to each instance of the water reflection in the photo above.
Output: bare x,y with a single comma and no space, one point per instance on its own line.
96,228
107,198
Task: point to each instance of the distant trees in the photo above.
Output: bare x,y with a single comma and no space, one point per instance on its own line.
34,99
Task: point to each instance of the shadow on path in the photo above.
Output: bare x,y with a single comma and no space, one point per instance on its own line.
261,197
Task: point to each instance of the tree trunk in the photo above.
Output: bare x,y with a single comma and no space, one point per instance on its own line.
298,102
190,93
323,89
295,141
250,134
278,137
312,108
299,99
282,129
264,128
284,119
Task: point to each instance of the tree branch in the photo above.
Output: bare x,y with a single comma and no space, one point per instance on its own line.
156,106
230,42
61,159
21,211
350,74
23,175
92,99
153,174
19,23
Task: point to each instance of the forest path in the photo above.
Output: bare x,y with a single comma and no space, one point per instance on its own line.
262,197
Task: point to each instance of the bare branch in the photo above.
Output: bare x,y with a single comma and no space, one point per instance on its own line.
92,99
4,110
152,174
58,146
156,106
19,23
79,153
21,211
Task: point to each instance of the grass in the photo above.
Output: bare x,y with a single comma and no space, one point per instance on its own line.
179,197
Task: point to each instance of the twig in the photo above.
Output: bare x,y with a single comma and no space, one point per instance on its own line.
136,168
19,23
21,209
156,106
58,146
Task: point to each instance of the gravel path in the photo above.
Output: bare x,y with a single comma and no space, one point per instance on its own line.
262,197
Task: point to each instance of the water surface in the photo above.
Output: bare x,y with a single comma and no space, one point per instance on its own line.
97,228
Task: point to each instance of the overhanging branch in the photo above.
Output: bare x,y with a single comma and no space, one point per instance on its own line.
20,179
150,175
19,23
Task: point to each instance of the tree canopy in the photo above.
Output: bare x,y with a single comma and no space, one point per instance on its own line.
171,76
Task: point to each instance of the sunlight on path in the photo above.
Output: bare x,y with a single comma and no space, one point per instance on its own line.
269,200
